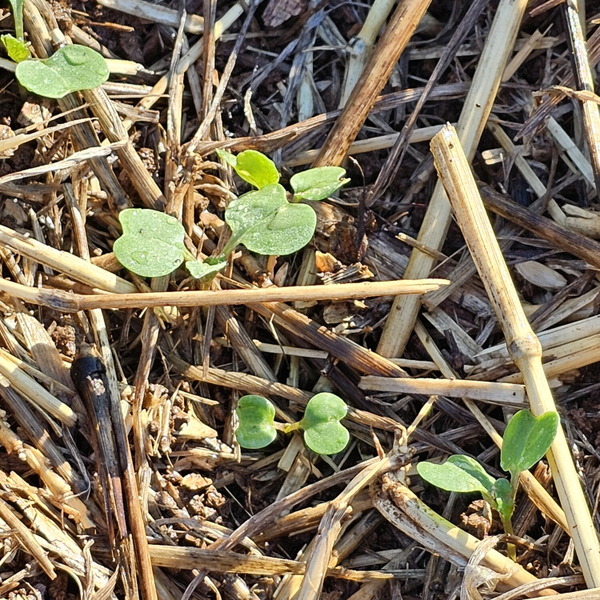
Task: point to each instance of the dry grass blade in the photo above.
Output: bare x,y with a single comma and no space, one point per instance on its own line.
523,345
398,32
475,112
344,291
585,82
474,390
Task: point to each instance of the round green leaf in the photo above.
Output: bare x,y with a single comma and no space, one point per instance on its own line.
323,408
200,270
256,416
151,244
527,439
323,432
327,437
290,229
69,69
266,223
464,475
255,168
317,184
473,468
253,208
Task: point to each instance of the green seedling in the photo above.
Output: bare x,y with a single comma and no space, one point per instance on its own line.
16,47
263,220
526,440
323,432
70,69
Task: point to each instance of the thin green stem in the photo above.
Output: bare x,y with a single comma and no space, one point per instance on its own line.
511,550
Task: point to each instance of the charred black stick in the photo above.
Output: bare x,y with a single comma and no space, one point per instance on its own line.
89,377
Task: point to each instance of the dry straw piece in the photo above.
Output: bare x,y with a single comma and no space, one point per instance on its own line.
475,112
524,347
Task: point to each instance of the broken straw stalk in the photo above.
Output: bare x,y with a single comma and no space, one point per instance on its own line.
345,291
455,173
473,118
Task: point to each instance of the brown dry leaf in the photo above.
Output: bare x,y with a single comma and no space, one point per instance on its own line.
581,95
279,11
541,275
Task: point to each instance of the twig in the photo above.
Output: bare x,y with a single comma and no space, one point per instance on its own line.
26,538
156,13
474,390
563,238
345,291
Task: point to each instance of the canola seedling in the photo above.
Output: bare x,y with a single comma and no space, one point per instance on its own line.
262,220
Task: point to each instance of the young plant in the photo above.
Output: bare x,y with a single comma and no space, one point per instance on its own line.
262,220
526,440
16,47
323,432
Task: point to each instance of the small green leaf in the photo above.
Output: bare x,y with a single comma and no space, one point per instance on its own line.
16,49
255,168
317,184
17,7
252,208
256,417
151,244
69,69
323,432
229,158
505,503
327,438
200,270
323,408
526,440
266,223
458,474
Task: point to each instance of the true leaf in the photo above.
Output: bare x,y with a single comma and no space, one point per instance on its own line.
200,270
69,69
266,223
464,475
323,432
229,158
17,7
327,438
255,168
16,49
317,184
151,244
256,417
526,440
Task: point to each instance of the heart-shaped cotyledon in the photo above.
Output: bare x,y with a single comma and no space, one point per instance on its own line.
151,244
70,69
256,417
323,432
